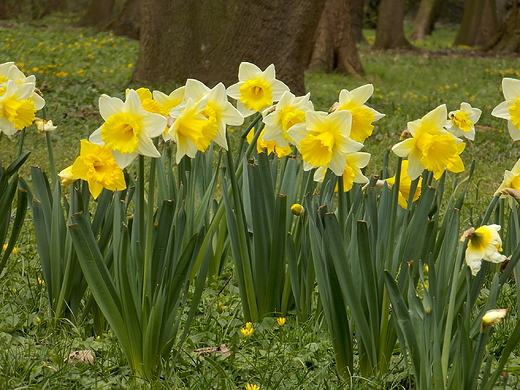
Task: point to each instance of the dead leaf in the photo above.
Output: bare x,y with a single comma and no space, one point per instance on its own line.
224,349
82,356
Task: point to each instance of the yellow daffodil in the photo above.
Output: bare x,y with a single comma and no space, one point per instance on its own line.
219,111
405,183
247,330
484,244
128,129
323,140
352,170
362,115
44,125
250,386
67,177
281,321
511,180
289,111
462,122
17,108
9,71
268,147
492,317
431,147
510,109
97,166
256,89
188,127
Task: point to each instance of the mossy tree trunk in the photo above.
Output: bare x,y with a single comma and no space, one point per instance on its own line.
425,19
390,26
126,23
208,39
479,23
507,38
98,14
335,45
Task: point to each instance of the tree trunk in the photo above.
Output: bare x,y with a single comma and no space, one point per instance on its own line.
390,26
335,46
507,39
357,8
98,15
127,22
479,23
424,20
208,39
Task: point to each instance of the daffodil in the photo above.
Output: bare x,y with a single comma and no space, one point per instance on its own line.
247,330
289,111
44,125
405,184
362,115
17,108
67,177
256,89
431,147
510,109
323,140
352,170
492,317
462,121
263,146
9,71
97,166
511,180
219,111
188,127
484,243
128,129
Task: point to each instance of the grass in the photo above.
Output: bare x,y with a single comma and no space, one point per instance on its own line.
74,67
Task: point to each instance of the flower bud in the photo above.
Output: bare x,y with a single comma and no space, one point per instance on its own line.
492,317
297,209
67,177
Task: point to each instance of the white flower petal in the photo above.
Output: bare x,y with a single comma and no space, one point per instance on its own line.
511,88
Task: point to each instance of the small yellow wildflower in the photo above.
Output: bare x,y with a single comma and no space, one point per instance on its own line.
249,386
281,321
248,330
15,249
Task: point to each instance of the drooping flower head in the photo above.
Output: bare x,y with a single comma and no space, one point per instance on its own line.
462,121
362,115
97,166
219,111
352,170
484,244
323,140
256,89
405,184
263,146
289,111
510,109
431,147
128,129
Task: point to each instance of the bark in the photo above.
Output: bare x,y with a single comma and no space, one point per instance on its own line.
390,26
357,8
127,22
208,39
98,15
507,39
479,23
425,19
335,46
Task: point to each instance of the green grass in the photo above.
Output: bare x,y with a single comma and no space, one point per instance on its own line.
74,67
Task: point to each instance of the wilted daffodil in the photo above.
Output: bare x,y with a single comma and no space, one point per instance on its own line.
431,147
510,109
462,122
128,129
17,107
219,111
268,146
484,243
256,89
97,166
362,115
289,111
352,171
492,317
405,184
323,140
44,125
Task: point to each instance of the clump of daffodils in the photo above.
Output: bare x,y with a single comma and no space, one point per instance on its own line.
484,243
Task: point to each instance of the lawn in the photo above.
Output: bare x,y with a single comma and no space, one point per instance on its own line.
73,67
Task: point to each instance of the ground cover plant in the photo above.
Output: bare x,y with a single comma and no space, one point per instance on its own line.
74,67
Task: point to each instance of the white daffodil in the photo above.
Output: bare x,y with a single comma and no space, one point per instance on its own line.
492,317
484,244
256,89
323,140
128,129
44,125
219,111
362,115
510,109
289,111
431,147
462,122
17,108
352,171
